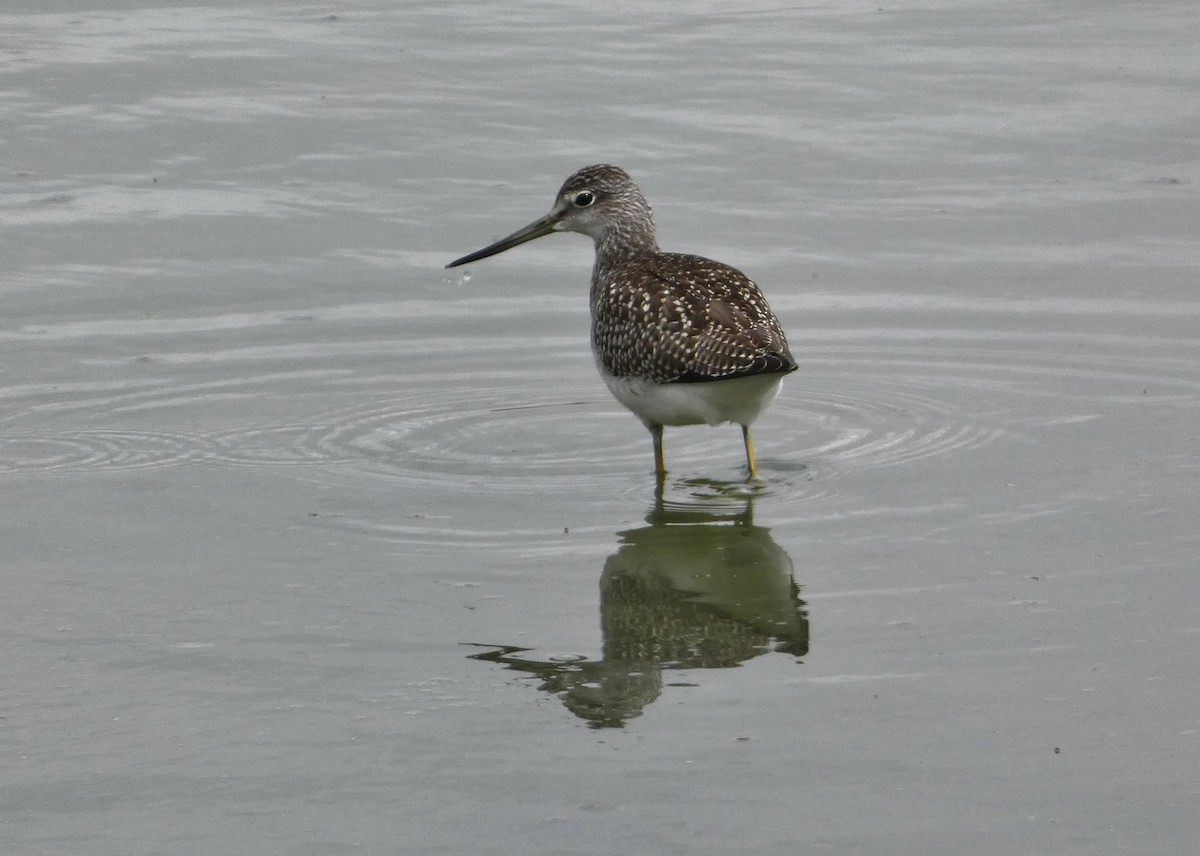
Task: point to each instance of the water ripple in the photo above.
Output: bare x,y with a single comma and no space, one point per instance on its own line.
83,451
865,398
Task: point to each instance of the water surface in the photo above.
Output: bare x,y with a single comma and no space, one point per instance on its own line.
315,547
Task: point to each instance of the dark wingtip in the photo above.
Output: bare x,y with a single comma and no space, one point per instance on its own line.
766,364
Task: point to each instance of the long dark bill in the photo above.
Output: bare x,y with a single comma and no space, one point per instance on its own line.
536,229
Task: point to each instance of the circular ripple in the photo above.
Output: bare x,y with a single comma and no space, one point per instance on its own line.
863,399
852,406
84,451
471,435
852,421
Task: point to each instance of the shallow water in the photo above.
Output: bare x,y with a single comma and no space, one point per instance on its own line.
316,547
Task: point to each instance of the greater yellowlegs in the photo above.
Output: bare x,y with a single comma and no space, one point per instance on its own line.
678,339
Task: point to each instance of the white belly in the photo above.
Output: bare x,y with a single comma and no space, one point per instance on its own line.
739,400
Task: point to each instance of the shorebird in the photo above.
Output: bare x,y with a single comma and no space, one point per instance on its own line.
678,339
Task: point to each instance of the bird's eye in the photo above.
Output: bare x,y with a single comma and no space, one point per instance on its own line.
584,198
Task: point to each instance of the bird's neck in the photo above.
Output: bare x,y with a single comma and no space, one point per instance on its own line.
625,240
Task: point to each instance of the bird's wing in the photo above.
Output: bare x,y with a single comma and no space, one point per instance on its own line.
676,318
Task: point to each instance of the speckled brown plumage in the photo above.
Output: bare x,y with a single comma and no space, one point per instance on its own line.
664,323
673,318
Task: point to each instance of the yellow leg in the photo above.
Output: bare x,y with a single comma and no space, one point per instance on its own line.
749,452
660,469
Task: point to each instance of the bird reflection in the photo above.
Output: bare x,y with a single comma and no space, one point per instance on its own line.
699,587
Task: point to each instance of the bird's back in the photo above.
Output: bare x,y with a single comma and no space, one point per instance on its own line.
678,318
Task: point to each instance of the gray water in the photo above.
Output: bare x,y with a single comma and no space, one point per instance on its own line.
313,547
